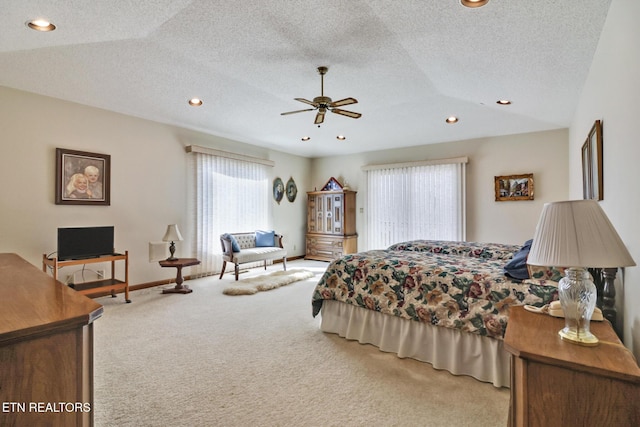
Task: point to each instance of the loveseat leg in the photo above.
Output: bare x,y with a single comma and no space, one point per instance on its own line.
224,265
284,263
265,264
237,269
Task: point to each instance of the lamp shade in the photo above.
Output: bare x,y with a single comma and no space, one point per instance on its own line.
172,234
577,233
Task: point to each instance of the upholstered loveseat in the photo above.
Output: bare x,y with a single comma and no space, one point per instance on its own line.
242,248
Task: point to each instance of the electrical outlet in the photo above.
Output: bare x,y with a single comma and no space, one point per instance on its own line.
294,247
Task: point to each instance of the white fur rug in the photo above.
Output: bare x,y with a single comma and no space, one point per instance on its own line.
266,282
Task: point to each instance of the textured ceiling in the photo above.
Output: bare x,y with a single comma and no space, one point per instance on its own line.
410,64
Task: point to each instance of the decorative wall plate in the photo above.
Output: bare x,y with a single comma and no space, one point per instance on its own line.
278,189
292,190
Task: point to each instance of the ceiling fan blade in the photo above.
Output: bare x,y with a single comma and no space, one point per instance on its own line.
306,101
346,113
297,111
342,102
320,116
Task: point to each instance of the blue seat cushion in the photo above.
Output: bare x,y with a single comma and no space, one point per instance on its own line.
265,238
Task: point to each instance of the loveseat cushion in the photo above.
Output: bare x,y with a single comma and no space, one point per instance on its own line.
258,254
265,238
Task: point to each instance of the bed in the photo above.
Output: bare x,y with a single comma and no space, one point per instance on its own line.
445,303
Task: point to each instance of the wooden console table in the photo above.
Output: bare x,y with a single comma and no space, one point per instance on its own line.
98,286
558,383
178,264
46,349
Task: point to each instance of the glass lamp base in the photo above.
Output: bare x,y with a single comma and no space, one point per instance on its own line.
578,337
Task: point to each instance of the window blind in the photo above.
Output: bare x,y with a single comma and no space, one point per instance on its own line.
423,200
230,196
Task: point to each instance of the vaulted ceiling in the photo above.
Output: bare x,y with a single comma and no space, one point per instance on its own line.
410,65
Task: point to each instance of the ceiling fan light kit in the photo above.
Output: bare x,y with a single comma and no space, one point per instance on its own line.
323,103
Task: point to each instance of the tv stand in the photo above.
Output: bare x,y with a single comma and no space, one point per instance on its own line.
98,286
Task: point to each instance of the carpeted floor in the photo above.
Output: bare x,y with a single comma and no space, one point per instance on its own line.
208,359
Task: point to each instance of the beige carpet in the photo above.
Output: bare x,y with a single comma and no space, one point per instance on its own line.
208,359
266,282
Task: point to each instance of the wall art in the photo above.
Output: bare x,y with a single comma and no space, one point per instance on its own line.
514,187
82,178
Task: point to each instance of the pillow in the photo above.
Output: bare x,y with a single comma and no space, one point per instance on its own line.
517,267
235,247
265,238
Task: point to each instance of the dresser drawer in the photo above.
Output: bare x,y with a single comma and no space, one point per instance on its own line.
328,248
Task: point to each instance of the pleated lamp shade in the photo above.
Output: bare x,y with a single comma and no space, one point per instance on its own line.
577,233
172,234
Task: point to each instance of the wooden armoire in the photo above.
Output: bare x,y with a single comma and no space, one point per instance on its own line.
331,224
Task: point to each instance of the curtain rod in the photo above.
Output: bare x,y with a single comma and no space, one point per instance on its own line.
416,163
228,155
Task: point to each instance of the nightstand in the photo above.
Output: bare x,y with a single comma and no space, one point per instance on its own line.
557,383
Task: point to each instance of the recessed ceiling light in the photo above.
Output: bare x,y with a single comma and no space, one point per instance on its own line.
452,119
341,137
40,25
473,3
503,102
195,102
306,138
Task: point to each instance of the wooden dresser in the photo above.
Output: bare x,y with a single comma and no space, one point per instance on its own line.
331,224
46,349
557,383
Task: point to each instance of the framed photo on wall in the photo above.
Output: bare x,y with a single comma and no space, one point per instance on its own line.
514,187
592,182
82,178
278,190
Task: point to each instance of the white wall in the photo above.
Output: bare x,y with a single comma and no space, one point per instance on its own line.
148,186
612,94
544,154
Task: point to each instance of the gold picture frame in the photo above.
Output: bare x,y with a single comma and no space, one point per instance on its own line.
592,181
514,187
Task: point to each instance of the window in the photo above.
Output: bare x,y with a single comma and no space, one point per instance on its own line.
230,195
419,200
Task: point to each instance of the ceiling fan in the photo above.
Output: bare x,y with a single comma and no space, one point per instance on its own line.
324,103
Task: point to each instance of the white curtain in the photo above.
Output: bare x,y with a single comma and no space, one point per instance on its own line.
230,196
415,201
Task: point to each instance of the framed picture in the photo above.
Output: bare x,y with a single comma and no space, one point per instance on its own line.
278,190
82,178
292,190
592,182
514,187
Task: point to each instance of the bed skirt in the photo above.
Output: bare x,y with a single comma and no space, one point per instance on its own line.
458,352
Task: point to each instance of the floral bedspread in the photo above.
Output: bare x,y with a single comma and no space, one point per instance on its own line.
471,249
436,282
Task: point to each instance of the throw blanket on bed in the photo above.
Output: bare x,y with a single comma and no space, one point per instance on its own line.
457,285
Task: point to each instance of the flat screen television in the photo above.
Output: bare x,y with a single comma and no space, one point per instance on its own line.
84,242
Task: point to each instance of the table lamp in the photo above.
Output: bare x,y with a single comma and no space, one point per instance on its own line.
172,235
577,235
